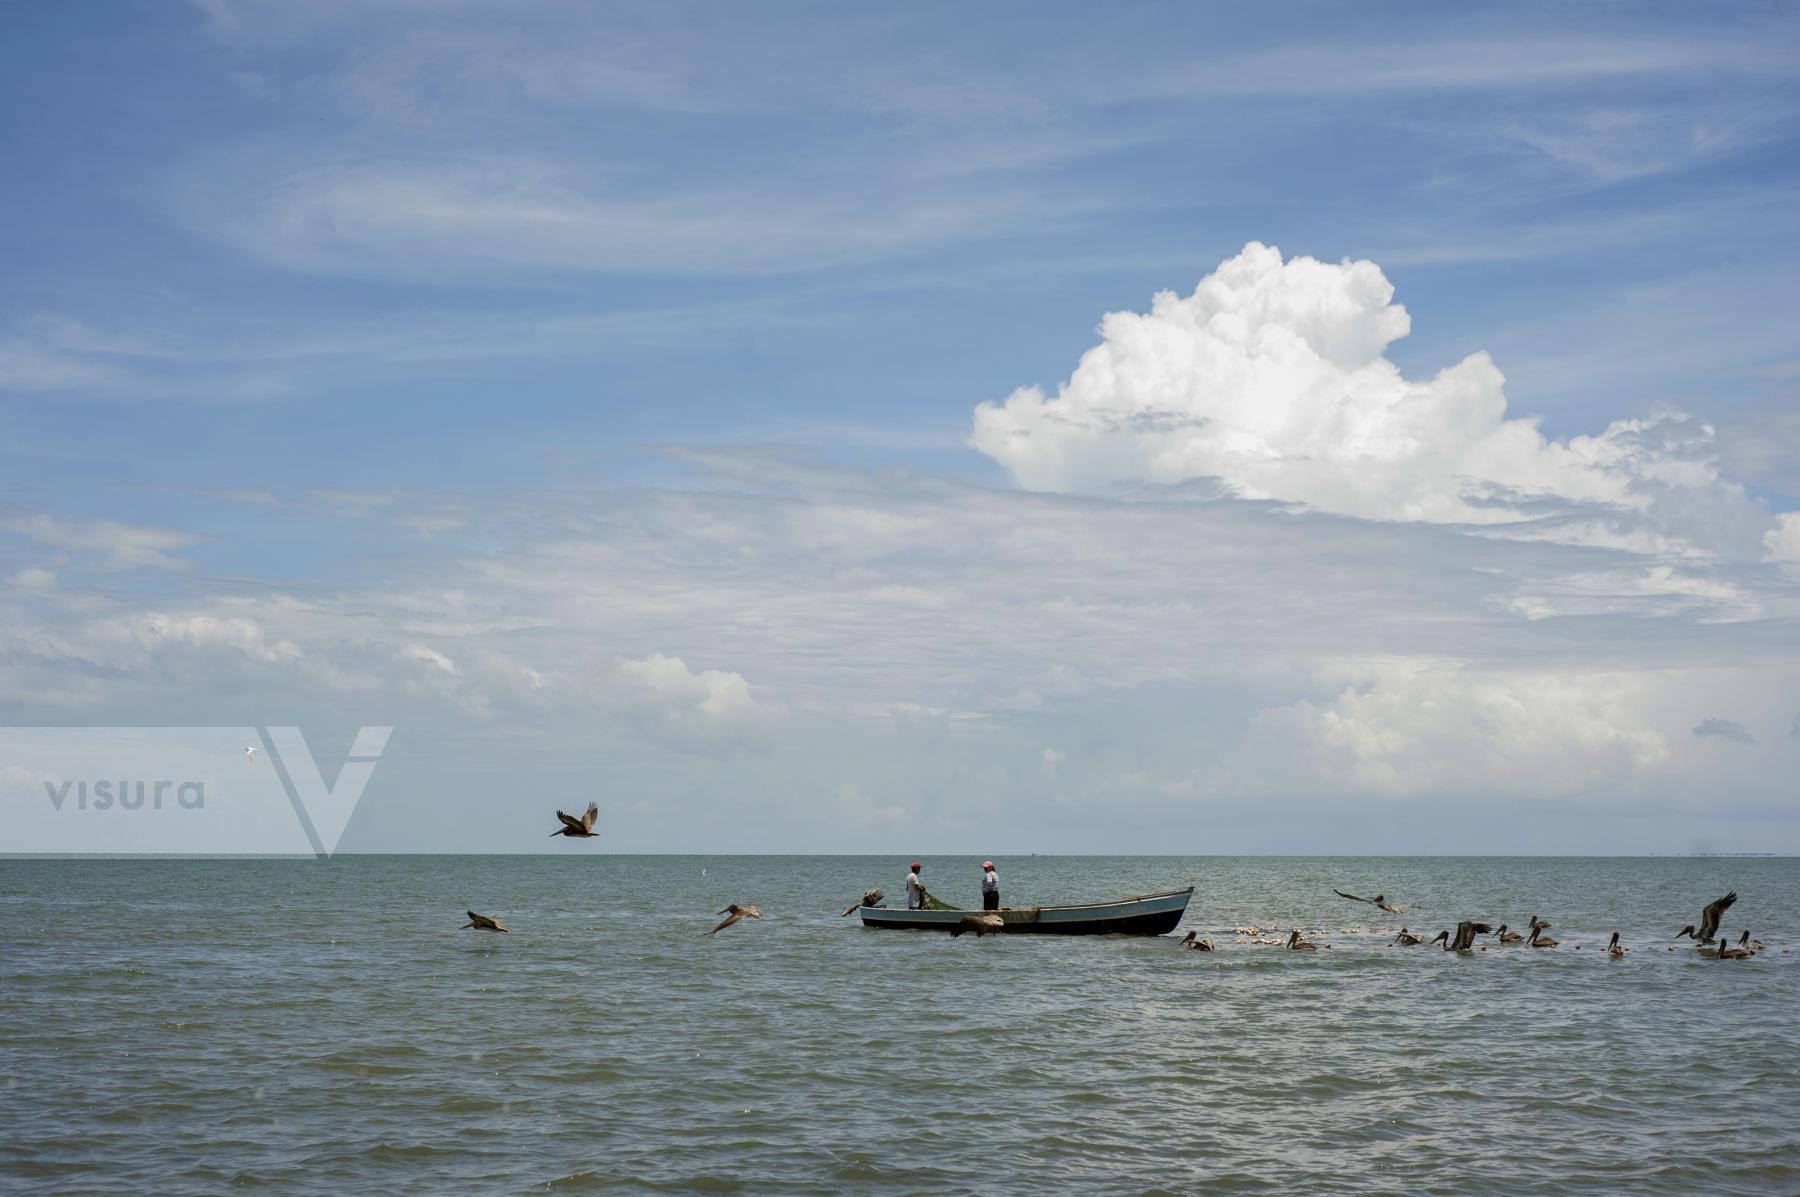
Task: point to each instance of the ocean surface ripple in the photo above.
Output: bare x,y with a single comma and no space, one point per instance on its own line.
299,1027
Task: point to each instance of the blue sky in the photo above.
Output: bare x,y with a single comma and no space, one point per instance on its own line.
596,395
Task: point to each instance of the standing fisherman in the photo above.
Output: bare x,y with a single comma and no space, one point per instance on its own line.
915,893
990,886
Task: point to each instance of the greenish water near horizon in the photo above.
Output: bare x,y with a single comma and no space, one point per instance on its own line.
299,1026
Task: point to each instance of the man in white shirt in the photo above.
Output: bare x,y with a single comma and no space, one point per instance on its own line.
915,893
990,886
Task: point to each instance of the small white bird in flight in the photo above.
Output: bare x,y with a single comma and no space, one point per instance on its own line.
249,756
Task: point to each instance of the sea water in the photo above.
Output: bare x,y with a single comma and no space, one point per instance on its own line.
305,1026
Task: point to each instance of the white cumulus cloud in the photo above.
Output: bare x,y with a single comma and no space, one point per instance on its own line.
1272,378
710,712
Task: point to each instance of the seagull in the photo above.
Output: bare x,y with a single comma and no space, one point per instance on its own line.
869,898
1505,936
1709,919
1539,940
985,923
250,755
1194,941
1613,949
1379,901
578,829
482,922
737,912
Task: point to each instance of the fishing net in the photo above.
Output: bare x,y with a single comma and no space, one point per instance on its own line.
928,902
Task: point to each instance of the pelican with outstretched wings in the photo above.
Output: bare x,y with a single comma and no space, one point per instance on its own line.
736,912
482,922
1466,931
578,829
1709,919
1379,901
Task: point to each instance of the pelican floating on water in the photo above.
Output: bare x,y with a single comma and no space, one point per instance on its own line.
1539,940
1740,952
737,912
1407,939
1614,949
482,922
1295,943
1194,941
578,829
1504,936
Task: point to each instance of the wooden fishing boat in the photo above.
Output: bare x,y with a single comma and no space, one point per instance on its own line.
1148,914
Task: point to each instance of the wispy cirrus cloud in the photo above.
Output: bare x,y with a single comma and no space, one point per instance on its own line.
102,544
1411,65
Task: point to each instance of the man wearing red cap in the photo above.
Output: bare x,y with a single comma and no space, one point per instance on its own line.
990,886
915,893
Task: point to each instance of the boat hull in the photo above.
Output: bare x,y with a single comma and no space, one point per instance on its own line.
1149,914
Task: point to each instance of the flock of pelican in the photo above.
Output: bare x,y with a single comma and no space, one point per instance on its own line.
1705,934
583,829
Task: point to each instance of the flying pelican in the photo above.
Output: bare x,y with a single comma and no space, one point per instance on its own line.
1194,941
1505,936
985,923
1407,939
482,922
737,912
1613,949
869,898
1709,920
1539,940
1297,944
250,755
1379,901
578,829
